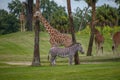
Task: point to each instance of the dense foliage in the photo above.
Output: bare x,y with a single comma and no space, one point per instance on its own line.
107,15
8,22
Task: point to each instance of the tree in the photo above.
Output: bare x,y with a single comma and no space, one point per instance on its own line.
118,2
81,18
92,3
36,57
55,15
8,23
59,20
48,7
15,7
76,57
29,14
106,15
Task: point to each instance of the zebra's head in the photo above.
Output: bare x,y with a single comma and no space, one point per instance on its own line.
80,48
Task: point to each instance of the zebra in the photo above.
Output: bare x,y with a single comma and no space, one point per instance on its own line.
64,52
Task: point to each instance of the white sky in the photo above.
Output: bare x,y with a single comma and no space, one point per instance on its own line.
74,4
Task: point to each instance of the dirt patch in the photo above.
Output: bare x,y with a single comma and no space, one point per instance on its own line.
29,63
18,63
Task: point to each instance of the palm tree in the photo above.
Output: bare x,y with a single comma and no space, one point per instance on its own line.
76,57
36,57
15,7
92,3
106,15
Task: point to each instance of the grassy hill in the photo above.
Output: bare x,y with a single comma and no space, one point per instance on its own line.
19,46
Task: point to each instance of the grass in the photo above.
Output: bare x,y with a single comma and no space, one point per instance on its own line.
18,48
104,71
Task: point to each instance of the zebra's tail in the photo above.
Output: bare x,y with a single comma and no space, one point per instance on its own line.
48,56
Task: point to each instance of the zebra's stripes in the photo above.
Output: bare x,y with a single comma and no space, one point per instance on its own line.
65,52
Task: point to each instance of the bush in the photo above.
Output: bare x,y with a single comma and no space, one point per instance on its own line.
105,31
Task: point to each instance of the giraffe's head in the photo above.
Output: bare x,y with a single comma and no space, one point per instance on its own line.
36,14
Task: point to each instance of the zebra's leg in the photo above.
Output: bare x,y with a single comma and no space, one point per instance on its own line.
52,60
70,59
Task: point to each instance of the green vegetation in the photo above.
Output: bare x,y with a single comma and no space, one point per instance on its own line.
8,23
102,71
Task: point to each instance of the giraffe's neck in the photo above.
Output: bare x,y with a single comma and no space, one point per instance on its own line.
48,27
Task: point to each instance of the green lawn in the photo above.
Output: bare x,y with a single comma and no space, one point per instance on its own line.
18,48
101,71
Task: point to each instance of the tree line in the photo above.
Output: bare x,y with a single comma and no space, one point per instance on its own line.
58,17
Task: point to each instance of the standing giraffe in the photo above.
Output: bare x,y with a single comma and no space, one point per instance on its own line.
99,40
56,38
22,20
116,41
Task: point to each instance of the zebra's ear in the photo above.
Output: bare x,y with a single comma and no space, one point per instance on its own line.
79,43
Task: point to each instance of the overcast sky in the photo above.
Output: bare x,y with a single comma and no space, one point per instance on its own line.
74,4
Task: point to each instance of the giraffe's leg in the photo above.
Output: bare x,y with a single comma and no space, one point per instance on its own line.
24,26
101,46
113,48
96,48
21,25
116,49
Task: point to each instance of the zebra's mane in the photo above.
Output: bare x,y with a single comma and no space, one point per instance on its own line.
73,44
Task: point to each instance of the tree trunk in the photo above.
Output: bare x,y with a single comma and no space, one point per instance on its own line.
76,57
89,52
36,57
29,14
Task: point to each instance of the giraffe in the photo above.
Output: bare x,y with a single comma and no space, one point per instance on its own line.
116,41
99,40
56,38
22,20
